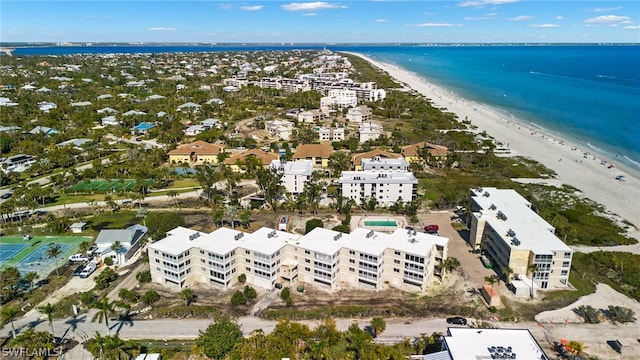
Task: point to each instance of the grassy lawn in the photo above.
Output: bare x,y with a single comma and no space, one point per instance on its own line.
184,183
118,220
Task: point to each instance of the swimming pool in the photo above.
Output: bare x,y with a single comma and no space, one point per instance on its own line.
380,223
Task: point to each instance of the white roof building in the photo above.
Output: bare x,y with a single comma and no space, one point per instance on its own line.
325,258
381,163
294,174
512,234
369,131
81,104
109,120
359,114
386,187
281,129
330,134
466,343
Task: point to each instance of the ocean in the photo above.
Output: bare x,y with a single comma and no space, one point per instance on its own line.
587,94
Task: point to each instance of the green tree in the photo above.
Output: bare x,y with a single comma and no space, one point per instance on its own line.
106,277
117,247
577,348
35,342
150,297
269,180
53,252
339,161
490,280
305,135
104,308
48,310
620,314
449,264
249,292
187,295
242,278
31,277
507,271
84,247
378,325
128,296
220,338
238,298
159,222
144,276
96,345
9,314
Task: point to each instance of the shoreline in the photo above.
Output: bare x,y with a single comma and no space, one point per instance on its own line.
575,164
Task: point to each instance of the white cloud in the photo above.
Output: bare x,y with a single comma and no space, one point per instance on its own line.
559,17
310,14
486,2
436,25
607,19
607,9
251,8
521,18
632,27
161,29
382,20
544,25
318,5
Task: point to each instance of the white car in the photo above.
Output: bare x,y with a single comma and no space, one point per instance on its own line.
78,257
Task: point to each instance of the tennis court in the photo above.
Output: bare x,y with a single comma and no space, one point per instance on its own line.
103,185
31,255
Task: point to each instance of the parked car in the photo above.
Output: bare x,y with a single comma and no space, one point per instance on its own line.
78,270
431,229
78,258
89,269
457,320
278,286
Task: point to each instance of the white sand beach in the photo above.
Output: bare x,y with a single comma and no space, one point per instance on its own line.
575,164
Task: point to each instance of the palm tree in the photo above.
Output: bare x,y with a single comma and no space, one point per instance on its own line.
533,268
507,271
449,264
187,295
577,348
114,348
31,276
48,310
9,314
490,280
96,345
105,309
117,247
53,252
85,246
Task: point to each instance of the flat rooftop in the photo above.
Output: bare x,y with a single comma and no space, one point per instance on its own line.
466,343
510,215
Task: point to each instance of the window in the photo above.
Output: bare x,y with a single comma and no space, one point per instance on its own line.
396,261
351,252
565,264
397,253
307,269
307,261
567,255
352,269
307,252
396,270
352,261
248,260
247,252
564,273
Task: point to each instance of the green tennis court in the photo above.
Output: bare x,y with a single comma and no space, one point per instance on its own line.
31,255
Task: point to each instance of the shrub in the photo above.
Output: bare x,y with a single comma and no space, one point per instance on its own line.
250,293
238,298
342,228
590,314
619,314
105,278
108,261
242,278
312,224
144,276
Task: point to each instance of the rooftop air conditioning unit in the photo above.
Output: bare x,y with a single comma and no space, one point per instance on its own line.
486,194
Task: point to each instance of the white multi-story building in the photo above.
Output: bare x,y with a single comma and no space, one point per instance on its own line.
359,114
386,164
310,116
386,187
512,234
280,129
369,131
294,174
328,259
338,99
330,134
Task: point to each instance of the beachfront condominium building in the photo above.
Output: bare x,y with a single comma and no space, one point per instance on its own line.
511,234
330,134
337,99
382,163
294,174
328,259
359,114
384,186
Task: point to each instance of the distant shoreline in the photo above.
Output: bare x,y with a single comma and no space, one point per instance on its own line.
564,156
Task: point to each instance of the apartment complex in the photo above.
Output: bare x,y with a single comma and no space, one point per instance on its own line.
328,259
385,186
512,234
294,174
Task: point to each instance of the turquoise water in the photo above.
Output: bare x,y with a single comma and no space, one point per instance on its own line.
380,223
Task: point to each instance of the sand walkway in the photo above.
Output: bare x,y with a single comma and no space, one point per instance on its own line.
575,164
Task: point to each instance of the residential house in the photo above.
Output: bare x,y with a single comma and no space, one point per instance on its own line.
385,186
212,123
437,153
512,234
16,163
294,174
310,116
142,128
46,106
109,121
104,97
194,130
189,107
196,153
279,129
43,130
4,101
76,143
359,114
134,112
81,104
130,240
326,259
369,131
318,154
107,110
330,134
264,159
155,97
375,153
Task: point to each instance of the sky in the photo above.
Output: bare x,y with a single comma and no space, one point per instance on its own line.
364,21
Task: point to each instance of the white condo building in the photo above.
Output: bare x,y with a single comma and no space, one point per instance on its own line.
386,164
385,187
369,131
512,234
338,99
328,259
294,174
359,114
330,134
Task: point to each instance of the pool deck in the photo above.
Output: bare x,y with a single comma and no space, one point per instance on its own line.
358,222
